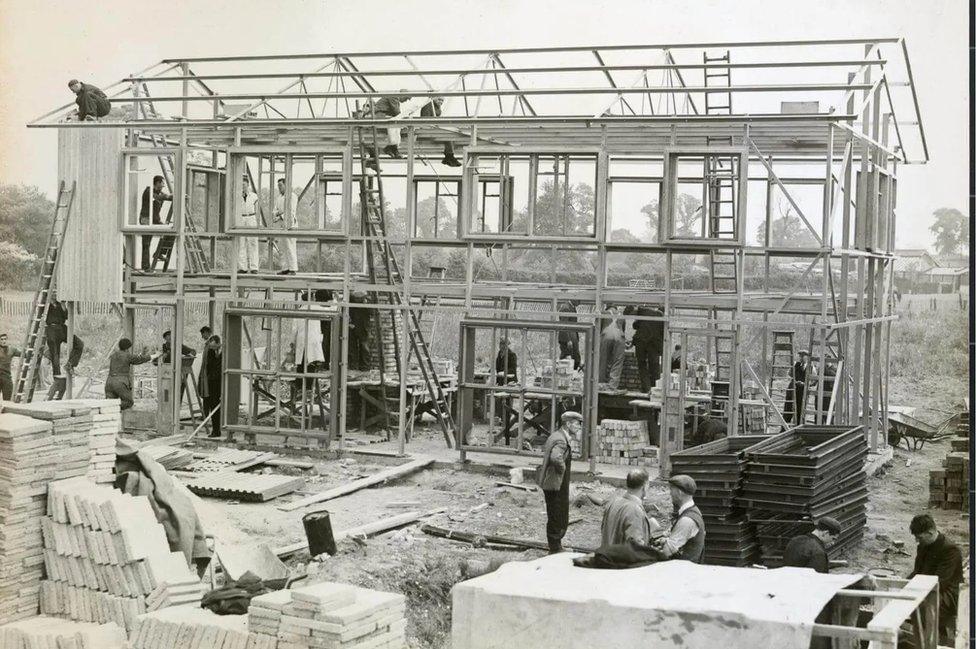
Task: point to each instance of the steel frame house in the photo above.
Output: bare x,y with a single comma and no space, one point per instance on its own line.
684,114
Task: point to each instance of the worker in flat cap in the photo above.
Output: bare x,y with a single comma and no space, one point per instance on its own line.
798,384
686,540
810,550
553,477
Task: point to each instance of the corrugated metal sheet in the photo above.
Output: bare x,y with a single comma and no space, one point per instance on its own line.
91,257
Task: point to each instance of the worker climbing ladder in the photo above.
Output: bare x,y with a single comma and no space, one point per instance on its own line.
195,257
383,265
33,347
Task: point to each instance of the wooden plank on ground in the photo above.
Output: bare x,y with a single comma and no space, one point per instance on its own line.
382,525
379,478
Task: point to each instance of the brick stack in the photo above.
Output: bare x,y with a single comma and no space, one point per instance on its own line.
107,558
43,631
624,443
189,627
333,615
629,375
106,422
30,457
949,486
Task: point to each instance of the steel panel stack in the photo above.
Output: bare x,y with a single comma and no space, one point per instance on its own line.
718,468
801,475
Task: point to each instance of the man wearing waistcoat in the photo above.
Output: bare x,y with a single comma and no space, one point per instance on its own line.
686,540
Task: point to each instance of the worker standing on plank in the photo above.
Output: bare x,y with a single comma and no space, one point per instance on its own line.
553,477
7,354
118,385
283,220
810,550
158,198
686,540
937,555
247,256
612,350
648,342
92,102
624,518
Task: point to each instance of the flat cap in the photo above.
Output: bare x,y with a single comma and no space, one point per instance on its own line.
828,523
684,482
804,352
571,414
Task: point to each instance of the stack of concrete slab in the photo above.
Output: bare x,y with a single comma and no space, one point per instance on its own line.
949,486
30,457
189,627
44,631
106,422
107,558
624,443
331,615
264,618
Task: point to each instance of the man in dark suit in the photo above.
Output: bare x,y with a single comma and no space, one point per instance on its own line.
553,477
937,555
210,384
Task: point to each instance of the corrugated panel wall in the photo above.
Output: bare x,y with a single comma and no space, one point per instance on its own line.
91,257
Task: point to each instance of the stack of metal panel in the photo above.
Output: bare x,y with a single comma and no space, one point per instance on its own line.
803,474
718,468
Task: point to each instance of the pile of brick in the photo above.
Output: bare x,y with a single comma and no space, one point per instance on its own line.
189,627
44,631
949,486
624,443
31,456
107,558
338,616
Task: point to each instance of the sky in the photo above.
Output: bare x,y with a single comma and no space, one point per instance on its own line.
43,43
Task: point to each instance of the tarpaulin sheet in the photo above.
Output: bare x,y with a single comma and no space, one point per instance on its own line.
551,603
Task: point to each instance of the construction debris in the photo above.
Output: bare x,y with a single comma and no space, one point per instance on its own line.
801,475
45,631
488,539
718,468
251,487
382,525
328,615
381,477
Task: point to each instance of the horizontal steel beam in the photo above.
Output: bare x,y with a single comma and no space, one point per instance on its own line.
541,50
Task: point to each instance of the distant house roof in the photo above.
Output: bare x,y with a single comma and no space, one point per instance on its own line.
914,259
953,261
947,272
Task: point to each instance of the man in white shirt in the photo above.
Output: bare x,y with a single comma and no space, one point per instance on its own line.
284,219
247,257
687,537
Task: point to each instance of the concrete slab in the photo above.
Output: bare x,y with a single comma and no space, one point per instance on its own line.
550,602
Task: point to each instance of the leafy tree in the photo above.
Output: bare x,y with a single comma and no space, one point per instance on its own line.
25,222
687,215
787,230
951,230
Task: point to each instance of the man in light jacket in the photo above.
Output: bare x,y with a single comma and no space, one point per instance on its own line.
553,477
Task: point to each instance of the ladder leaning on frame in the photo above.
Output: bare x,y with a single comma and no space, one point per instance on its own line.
33,349
378,251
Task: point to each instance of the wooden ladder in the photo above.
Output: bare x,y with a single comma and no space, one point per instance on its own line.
33,348
781,365
380,258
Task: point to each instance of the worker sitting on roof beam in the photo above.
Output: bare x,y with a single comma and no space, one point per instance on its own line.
92,102
432,108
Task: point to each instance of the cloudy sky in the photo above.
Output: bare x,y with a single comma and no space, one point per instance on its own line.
45,42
